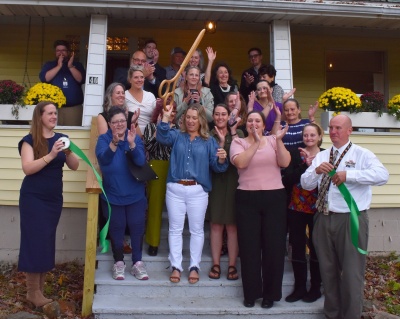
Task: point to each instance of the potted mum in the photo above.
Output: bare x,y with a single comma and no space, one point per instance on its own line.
365,112
394,106
44,91
11,98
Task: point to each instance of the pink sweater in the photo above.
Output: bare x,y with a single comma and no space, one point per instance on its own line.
263,172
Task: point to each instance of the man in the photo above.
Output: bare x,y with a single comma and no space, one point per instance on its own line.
69,76
177,58
250,76
139,60
159,74
342,265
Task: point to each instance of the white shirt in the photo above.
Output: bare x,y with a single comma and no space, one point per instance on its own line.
146,107
363,169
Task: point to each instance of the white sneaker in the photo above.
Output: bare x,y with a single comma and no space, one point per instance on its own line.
139,271
119,270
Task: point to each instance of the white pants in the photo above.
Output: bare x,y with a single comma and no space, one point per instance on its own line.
193,200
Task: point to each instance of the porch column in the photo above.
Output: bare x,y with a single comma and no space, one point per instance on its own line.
95,69
281,53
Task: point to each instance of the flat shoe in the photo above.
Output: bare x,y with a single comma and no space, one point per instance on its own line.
215,272
248,304
193,280
175,279
232,273
266,303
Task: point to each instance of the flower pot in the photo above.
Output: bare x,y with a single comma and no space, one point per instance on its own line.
24,113
363,120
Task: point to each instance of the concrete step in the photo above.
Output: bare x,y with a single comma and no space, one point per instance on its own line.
180,306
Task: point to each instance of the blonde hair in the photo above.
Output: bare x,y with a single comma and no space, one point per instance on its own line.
203,130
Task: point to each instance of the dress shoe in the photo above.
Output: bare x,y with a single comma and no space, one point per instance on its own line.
248,303
296,295
267,303
152,251
312,295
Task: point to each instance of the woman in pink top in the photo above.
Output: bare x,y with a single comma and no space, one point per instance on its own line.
261,210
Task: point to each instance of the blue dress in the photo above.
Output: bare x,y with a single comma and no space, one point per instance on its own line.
40,205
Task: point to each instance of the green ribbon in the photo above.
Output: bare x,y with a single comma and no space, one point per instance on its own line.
104,243
354,213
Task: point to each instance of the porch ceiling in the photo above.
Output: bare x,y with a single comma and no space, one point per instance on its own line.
376,15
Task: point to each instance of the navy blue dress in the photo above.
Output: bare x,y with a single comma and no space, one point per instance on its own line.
40,205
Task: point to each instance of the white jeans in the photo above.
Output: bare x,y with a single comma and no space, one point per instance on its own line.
193,200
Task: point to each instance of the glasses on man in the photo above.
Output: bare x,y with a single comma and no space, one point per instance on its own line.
263,88
120,122
139,61
253,56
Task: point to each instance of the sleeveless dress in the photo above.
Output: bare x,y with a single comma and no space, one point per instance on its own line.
40,205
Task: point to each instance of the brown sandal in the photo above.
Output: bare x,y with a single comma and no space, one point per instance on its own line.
194,280
175,279
232,273
215,272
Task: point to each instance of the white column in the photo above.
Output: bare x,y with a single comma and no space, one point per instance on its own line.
281,53
95,69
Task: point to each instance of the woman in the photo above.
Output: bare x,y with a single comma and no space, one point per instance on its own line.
114,96
125,194
193,92
194,155
197,59
222,82
221,206
261,210
159,160
294,136
264,102
231,101
300,216
41,199
138,99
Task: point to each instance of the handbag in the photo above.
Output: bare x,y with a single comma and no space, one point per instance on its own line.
140,173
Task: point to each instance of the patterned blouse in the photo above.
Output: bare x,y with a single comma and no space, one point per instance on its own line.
155,150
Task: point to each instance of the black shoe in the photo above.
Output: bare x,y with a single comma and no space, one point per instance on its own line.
152,251
296,295
312,295
267,303
248,304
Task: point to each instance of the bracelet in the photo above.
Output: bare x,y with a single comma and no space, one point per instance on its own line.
234,134
236,108
45,160
132,148
115,143
71,67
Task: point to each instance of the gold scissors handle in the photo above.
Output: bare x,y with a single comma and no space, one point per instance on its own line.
171,84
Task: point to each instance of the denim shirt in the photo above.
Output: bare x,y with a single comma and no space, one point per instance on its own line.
190,159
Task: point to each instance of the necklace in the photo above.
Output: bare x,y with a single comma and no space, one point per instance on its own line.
227,89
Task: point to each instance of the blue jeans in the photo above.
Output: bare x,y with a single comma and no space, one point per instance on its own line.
132,215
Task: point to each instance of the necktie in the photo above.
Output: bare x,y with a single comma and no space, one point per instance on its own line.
324,186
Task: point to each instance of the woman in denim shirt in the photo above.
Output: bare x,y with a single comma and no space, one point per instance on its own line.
194,154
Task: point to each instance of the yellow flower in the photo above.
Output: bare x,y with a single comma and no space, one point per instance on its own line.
339,99
394,106
45,92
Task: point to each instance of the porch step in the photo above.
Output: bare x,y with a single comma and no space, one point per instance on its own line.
158,297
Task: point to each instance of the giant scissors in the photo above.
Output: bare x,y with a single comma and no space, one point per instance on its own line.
170,85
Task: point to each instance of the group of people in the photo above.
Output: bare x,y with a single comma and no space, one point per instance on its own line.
248,163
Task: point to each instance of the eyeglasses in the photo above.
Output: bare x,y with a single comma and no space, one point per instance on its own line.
253,56
139,60
264,88
115,123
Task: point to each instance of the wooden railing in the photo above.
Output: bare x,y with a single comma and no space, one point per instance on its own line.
93,190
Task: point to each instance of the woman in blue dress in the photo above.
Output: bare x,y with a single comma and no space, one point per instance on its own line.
43,157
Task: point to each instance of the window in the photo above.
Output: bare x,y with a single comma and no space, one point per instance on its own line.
117,44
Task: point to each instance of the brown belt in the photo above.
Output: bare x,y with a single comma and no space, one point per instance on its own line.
187,182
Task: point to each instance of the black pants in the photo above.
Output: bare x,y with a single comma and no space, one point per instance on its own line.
261,223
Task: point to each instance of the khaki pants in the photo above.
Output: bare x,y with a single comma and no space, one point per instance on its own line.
70,116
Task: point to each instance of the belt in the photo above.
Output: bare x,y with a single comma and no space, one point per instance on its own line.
187,182
334,213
